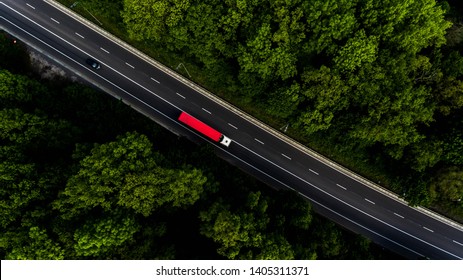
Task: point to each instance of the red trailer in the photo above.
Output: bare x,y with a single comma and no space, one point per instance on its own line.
204,129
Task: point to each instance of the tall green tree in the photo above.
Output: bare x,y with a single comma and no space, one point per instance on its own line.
325,93
150,19
234,232
359,50
405,26
19,188
32,245
102,237
448,186
453,146
127,173
24,177
261,228
329,24
16,89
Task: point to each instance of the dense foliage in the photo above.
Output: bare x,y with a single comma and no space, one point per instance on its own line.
83,176
380,81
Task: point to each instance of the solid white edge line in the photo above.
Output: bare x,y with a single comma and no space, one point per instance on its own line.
30,6
95,73
155,80
54,20
131,66
236,142
200,135
341,186
314,172
341,171
362,226
287,171
259,141
392,241
411,250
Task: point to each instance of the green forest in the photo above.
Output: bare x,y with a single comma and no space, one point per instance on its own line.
83,176
375,85
379,82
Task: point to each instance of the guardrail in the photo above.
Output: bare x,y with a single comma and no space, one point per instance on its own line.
249,118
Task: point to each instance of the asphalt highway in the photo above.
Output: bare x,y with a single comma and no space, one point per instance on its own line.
161,95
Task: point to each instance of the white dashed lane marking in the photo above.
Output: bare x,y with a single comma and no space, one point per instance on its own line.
155,80
286,156
342,187
180,95
206,111
133,67
232,126
400,216
370,201
30,6
259,141
314,172
54,20
104,50
428,229
80,35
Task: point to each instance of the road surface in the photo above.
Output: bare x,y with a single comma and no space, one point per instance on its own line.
160,94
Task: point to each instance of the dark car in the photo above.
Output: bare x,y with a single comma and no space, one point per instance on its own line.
92,62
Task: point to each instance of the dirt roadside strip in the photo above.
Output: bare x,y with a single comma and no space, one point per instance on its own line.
249,118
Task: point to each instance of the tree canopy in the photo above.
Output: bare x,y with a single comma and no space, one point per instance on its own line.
128,173
384,78
82,176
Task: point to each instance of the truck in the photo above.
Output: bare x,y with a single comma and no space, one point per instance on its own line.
204,129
